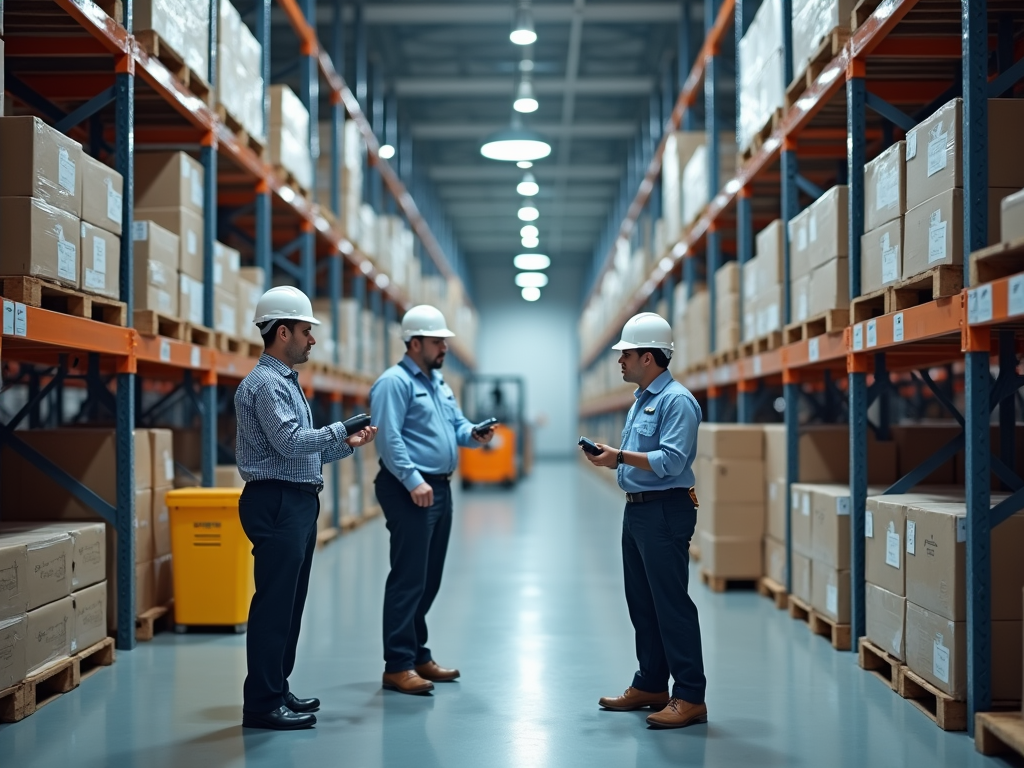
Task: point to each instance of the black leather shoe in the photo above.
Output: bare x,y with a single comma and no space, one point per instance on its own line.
300,705
281,719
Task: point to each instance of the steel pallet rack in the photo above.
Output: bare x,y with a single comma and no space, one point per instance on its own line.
904,59
107,90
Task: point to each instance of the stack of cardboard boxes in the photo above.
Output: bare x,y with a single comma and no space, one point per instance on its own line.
762,285
60,211
727,306
692,315
182,25
679,148
696,192
354,156
226,265
813,22
885,203
288,136
729,472
251,282
1011,225
239,71
818,246
169,194
762,85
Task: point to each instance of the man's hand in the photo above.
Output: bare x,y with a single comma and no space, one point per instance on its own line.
362,437
604,459
422,495
484,437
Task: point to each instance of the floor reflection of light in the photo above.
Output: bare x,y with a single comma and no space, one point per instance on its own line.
529,732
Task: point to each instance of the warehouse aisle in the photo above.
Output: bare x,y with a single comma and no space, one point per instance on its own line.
532,612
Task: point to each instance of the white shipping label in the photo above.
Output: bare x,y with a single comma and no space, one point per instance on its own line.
911,145
67,258
831,599
196,357
20,319
218,273
773,491
192,241
95,281
843,506
936,240
158,274
887,188
115,201
892,547
940,659
1015,297
9,317
805,505
937,152
99,255
891,264
163,301
813,351
65,170
812,226
165,351
140,231
979,304
872,334
795,501
869,524
911,537
197,188
801,239
229,323
858,337
897,327
961,530
168,466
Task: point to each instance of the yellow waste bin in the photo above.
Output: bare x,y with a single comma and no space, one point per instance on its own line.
213,566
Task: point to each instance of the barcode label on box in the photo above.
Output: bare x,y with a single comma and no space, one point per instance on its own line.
892,547
911,145
843,505
65,170
911,537
831,599
940,659
937,152
897,327
115,202
936,238
869,525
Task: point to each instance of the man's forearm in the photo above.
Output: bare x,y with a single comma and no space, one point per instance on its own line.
636,459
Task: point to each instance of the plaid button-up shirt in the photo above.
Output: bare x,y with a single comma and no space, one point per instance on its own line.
275,435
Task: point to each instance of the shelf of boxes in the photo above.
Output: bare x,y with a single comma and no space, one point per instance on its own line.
895,271
123,92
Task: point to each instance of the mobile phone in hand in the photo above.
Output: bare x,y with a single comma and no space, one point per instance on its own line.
590,446
482,428
356,423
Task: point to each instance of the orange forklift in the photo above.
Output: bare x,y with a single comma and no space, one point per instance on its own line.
502,461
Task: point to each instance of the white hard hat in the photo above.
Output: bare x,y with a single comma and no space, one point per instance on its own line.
425,320
283,303
646,331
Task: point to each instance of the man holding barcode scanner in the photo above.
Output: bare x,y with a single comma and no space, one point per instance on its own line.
422,428
654,466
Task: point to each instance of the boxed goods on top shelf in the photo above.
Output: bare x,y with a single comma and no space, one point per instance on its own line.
727,306
679,148
818,270
761,72
182,25
697,174
762,284
239,71
288,136
813,23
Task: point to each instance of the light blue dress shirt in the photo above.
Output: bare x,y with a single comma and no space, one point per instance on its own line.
421,425
663,424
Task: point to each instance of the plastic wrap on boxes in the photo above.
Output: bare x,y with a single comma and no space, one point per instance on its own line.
761,75
885,187
239,67
289,135
39,161
696,194
39,240
813,20
183,25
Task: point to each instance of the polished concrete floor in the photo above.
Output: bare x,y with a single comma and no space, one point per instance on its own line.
532,611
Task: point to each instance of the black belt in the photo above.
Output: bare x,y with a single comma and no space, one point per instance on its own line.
640,498
313,488
425,475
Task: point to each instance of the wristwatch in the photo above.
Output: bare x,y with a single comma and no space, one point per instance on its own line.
619,460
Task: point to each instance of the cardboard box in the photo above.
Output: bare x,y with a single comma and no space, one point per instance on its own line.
189,227
727,279
226,476
100,262
39,240
51,629
13,642
769,310
935,157
730,441
936,557
800,518
800,298
824,452
102,198
937,651
916,442
828,227
830,592
161,450
886,620
731,557
190,299
157,254
225,311
729,480
13,577
777,508
1011,217
90,616
248,296
881,256
679,148
40,162
50,555
775,560
830,287
145,592
168,180
801,576
770,252
163,580
88,561
933,231
799,245
161,522
226,263
830,525
885,187
732,518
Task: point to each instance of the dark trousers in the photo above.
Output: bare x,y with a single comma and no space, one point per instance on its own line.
655,557
280,521
419,543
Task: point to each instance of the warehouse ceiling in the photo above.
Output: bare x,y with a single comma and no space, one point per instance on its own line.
453,70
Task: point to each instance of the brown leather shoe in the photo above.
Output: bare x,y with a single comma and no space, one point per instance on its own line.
634,699
678,714
431,671
407,681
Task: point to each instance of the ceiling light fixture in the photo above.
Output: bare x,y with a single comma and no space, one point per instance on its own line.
531,279
528,187
531,242
531,261
531,294
386,151
515,144
525,164
522,30
528,213
529,231
525,100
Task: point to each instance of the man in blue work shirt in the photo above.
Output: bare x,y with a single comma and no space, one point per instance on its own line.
422,428
654,467
281,456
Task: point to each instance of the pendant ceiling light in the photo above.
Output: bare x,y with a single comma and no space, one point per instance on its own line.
531,280
529,231
525,100
525,164
522,28
528,187
528,213
531,293
515,144
531,261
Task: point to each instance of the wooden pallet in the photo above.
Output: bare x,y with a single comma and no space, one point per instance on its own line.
941,708
36,292
798,609
770,588
230,344
999,260
721,584
243,136
767,343
287,178
861,12
999,733
829,321
201,336
725,356
822,57
758,139
869,305
882,665
935,283
158,49
836,633
155,620
95,657
694,553
150,323
38,690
